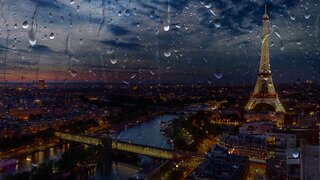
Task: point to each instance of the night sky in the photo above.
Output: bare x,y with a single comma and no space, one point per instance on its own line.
161,41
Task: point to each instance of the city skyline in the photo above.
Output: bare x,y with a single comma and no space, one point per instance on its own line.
214,42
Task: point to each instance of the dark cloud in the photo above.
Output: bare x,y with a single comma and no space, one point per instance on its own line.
47,3
122,44
41,48
118,30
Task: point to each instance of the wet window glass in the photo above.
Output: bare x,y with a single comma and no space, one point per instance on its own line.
160,89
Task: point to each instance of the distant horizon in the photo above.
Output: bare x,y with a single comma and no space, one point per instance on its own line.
149,83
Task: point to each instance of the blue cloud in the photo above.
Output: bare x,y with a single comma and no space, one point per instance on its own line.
118,30
121,44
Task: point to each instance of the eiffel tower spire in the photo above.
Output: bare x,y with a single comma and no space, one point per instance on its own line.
264,91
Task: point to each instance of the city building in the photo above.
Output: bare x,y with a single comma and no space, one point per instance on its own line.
219,164
293,163
277,145
252,146
256,127
310,162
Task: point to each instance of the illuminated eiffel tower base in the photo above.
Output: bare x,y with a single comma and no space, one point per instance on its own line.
264,97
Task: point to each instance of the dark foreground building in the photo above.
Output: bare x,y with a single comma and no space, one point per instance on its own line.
218,164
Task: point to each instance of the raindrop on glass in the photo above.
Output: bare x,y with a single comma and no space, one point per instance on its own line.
152,14
133,76
73,72
307,16
72,1
217,23
218,73
51,36
113,59
25,24
272,44
126,82
109,51
32,37
208,5
205,59
167,52
127,13
166,28
139,37
281,46
292,17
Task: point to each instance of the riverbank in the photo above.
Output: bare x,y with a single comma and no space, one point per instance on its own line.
29,150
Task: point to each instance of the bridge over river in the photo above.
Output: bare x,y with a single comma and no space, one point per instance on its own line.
129,147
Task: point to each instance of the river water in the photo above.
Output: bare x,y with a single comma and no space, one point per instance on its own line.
146,133
27,162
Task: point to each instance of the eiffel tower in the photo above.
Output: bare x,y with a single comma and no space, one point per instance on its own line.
264,94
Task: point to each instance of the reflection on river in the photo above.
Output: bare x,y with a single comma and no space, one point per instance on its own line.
27,162
146,133
117,171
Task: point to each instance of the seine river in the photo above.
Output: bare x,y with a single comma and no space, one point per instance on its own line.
146,133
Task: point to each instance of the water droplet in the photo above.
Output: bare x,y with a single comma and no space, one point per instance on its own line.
133,76
205,59
109,51
51,36
167,52
281,46
152,73
307,16
152,14
32,37
166,28
15,26
72,1
119,13
126,82
277,33
113,59
25,24
299,42
212,12
139,37
272,44
73,72
127,13
292,17
217,23
218,73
